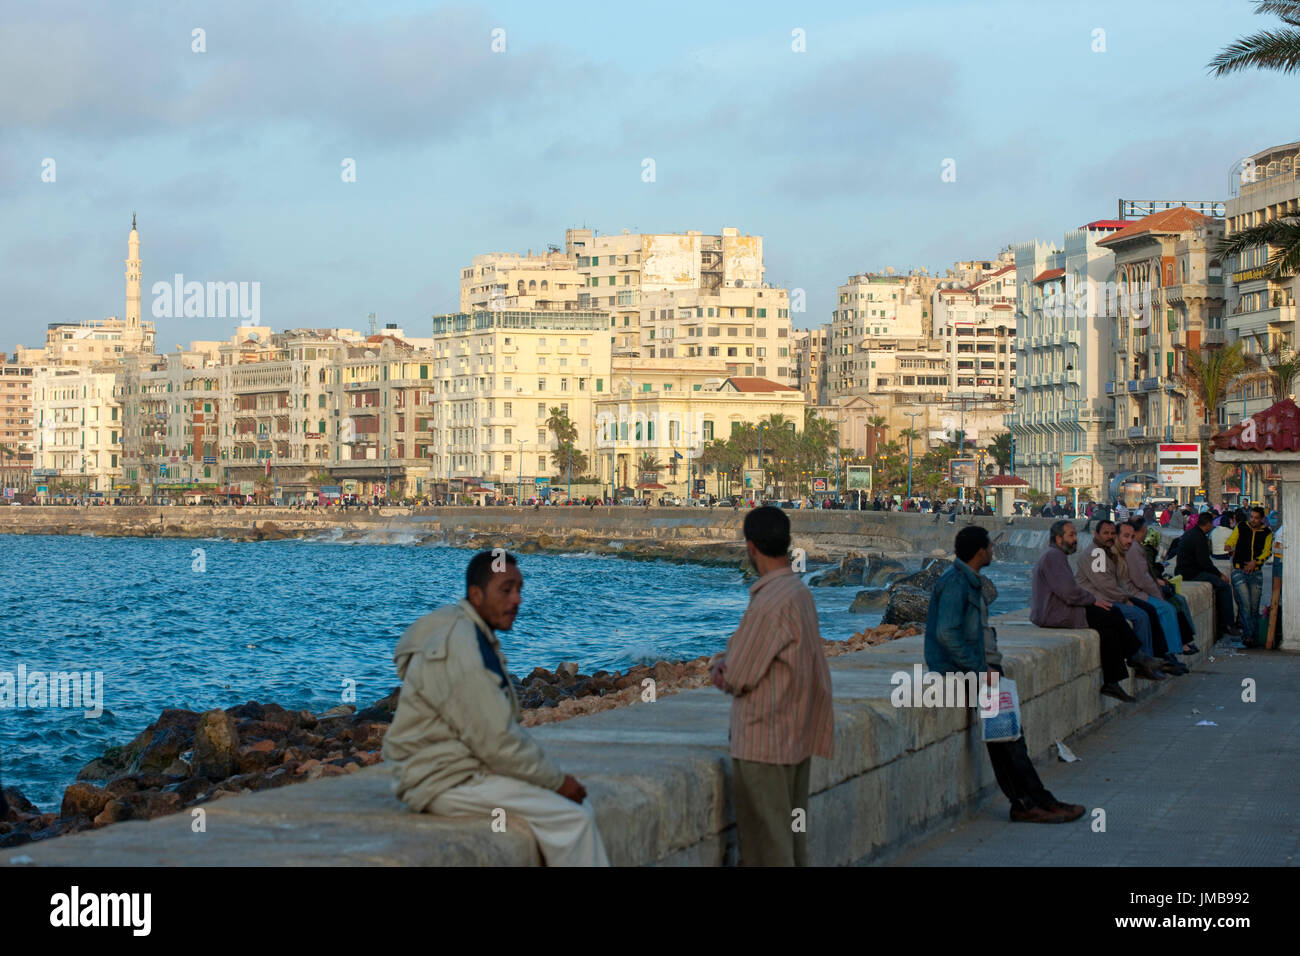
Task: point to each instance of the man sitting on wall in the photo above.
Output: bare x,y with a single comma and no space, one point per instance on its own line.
1057,600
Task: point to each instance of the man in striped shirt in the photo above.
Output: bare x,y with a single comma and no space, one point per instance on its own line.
775,669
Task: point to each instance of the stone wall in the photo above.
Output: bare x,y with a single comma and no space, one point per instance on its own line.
659,776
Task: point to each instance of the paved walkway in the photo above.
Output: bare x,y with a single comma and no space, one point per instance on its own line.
1174,793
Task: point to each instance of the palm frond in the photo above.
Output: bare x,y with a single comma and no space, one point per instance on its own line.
1286,10
1283,234
1268,50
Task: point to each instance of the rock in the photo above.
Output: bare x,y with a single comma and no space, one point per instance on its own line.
906,604
875,599
180,767
925,578
250,711
567,669
883,570
216,745
831,578
185,720
663,672
342,710
188,790
938,553
167,745
84,799
852,567
17,804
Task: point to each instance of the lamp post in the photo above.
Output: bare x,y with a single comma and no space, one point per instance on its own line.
519,489
913,416
763,480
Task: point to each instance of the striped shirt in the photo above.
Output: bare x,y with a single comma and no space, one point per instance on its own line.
777,675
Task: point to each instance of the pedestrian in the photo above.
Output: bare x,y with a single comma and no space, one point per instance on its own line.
959,639
456,744
1196,564
775,670
1057,600
1097,573
1251,545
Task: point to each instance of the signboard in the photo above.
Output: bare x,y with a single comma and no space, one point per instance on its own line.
859,477
820,484
42,489
700,487
964,472
331,491
649,477
1076,471
314,434
542,482
246,487
753,479
209,459
1179,466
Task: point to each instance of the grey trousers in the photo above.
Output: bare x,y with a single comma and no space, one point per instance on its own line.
765,797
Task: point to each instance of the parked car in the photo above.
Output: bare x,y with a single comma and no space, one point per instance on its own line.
629,501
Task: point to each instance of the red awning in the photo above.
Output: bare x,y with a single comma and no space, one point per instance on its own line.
1277,428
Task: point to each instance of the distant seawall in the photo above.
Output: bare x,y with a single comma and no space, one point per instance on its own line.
824,534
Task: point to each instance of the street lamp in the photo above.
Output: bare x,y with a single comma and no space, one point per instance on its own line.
913,416
519,491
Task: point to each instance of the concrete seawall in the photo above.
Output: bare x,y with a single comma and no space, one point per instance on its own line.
659,776
826,534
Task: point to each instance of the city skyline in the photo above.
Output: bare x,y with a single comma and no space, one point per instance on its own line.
232,156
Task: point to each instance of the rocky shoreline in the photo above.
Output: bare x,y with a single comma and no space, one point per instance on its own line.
187,759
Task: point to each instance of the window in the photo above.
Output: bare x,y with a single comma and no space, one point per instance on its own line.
541,463
541,384
541,436
707,427
541,409
509,460
509,435
509,409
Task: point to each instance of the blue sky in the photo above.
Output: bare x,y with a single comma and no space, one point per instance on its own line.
231,157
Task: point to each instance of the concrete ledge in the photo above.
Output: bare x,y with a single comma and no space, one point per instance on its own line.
659,777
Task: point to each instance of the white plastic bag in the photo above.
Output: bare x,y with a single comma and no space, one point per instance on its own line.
1002,723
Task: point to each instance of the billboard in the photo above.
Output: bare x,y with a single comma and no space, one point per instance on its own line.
1179,466
820,484
1076,471
859,477
964,472
753,479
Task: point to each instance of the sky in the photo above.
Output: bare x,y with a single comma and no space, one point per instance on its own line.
234,157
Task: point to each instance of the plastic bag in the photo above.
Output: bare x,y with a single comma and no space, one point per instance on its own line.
1004,724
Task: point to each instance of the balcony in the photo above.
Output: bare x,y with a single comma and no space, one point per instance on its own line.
1258,323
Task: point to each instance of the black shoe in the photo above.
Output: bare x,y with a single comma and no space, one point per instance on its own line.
1191,648
1177,668
1147,672
1119,693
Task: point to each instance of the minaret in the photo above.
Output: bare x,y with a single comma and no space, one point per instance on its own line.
133,280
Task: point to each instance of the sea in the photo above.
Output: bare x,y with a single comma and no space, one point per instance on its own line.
305,623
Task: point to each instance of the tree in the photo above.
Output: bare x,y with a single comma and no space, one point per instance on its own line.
1000,449
1277,49
1282,368
1211,375
567,460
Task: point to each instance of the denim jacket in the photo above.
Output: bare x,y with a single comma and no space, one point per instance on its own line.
957,633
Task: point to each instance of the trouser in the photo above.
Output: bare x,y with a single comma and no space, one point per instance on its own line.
1170,624
1118,642
565,831
1016,774
765,797
1141,626
1249,587
1222,600
1164,625
1184,615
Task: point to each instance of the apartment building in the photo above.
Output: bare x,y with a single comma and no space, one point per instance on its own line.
527,283
1261,311
976,324
1171,301
78,424
662,290
811,348
496,375
666,412
17,438
1066,313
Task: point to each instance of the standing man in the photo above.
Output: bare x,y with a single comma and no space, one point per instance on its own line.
1250,545
1056,600
456,744
958,639
775,670
1196,564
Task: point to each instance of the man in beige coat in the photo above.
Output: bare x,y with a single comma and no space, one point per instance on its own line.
456,745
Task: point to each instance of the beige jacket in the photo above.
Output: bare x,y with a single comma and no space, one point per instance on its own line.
454,719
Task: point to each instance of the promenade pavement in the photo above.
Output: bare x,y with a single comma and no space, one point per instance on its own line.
1174,793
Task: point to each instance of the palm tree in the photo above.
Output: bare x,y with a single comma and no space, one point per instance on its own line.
1267,50
1282,367
1211,375
1000,449
877,423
